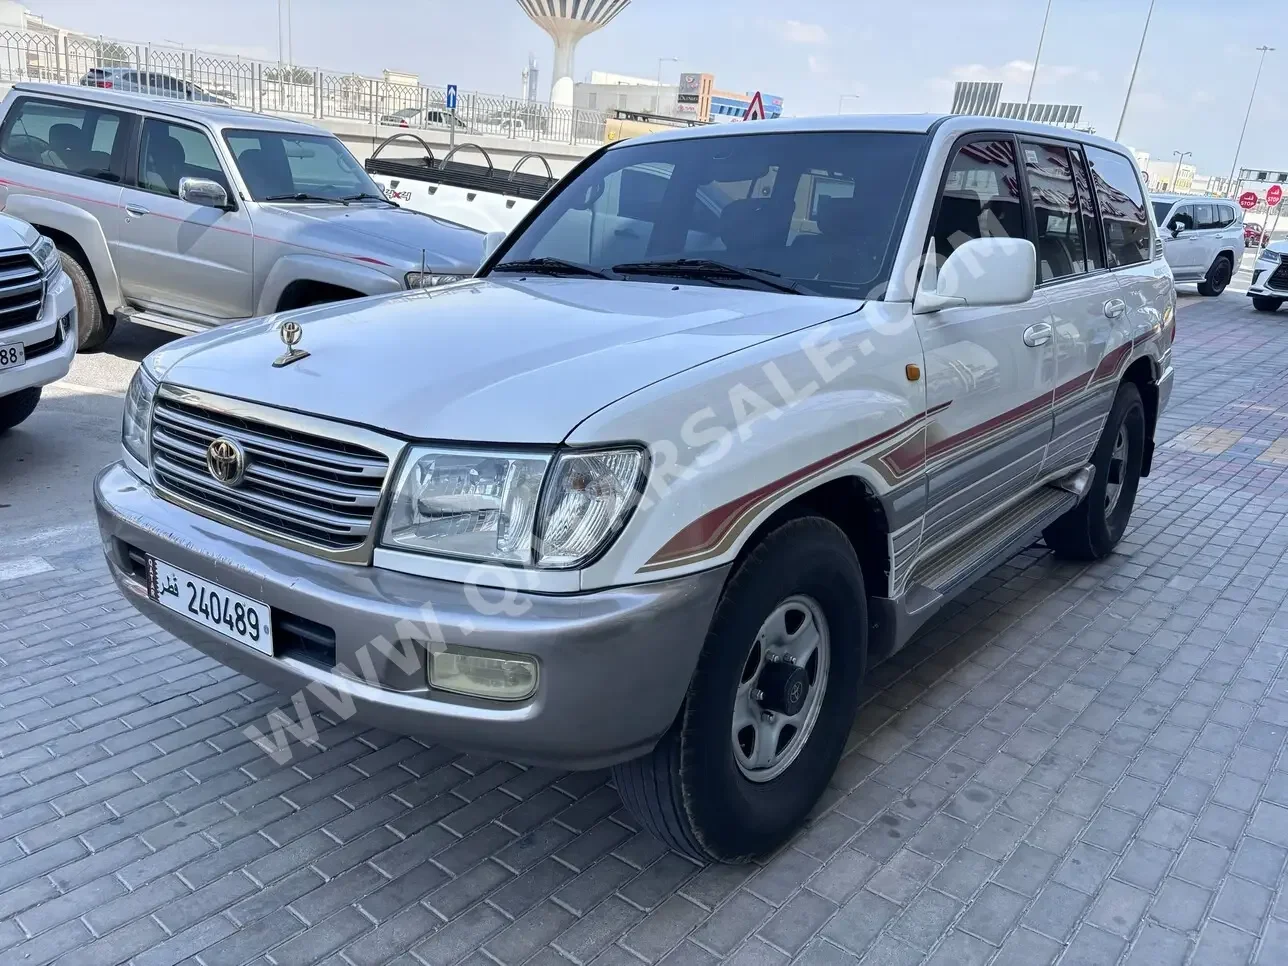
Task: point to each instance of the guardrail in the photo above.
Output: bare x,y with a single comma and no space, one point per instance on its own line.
265,87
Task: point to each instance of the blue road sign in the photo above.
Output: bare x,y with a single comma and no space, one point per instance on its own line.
451,97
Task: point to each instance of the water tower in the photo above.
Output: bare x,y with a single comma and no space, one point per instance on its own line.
567,21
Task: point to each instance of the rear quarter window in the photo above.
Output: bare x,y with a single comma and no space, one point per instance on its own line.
78,139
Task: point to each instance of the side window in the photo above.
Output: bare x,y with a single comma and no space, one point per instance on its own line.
1185,218
74,138
170,152
1057,225
1228,217
1128,238
1087,207
1206,217
981,197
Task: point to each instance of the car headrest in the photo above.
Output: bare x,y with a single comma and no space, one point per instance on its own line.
743,222
839,216
64,137
165,152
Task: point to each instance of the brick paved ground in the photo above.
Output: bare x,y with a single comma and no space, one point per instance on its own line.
1082,765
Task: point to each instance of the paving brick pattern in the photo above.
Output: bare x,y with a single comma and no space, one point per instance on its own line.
1077,765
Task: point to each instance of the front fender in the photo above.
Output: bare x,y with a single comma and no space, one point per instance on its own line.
77,223
320,268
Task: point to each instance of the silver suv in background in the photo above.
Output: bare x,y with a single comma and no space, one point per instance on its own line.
1202,239
185,215
127,80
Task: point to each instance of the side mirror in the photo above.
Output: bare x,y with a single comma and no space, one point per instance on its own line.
980,272
204,192
491,242
1176,228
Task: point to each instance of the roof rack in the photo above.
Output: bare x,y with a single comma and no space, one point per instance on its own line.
472,177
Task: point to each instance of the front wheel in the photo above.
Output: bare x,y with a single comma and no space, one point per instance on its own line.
1218,277
1092,529
17,406
1263,303
770,705
94,324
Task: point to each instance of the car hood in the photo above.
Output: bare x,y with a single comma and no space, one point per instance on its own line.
1279,247
393,236
486,360
15,233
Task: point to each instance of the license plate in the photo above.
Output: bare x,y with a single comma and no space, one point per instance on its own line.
12,354
236,617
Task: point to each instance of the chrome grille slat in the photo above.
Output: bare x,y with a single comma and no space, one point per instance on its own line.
20,277
299,487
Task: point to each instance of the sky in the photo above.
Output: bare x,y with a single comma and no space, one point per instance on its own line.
1191,93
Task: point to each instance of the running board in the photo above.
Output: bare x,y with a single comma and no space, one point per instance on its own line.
164,322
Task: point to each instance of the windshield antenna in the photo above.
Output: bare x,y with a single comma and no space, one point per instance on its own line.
422,268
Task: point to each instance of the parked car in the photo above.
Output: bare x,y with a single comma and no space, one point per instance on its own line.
656,488
1203,239
37,319
417,117
1254,235
127,80
1269,288
185,216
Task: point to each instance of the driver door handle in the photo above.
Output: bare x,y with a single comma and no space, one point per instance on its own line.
1038,334
1114,308
137,210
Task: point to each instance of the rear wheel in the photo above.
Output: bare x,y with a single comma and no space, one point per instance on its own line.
94,325
1093,528
770,705
17,406
1218,277
1263,303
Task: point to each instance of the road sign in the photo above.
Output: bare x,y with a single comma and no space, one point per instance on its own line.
451,97
756,109
1248,200
1274,195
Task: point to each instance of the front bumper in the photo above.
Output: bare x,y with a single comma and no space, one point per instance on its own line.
614,664
49,353
1269,280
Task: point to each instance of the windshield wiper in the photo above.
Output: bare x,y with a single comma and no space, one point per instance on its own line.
708,269
368,196
551,266
304,196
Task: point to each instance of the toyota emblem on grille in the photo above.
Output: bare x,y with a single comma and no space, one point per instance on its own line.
226,461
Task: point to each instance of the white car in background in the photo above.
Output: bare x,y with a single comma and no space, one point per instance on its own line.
1202,239
1270,278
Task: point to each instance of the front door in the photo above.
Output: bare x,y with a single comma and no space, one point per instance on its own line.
990,372
1184,247
175,257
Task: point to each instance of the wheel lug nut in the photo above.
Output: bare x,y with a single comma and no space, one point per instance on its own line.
767,716
757,695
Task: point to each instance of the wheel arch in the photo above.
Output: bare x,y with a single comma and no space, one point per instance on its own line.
306,291
1143,375
76,232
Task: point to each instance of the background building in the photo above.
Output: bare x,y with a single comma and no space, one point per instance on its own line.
984,98
694,98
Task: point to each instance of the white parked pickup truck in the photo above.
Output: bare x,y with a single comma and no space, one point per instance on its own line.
732,415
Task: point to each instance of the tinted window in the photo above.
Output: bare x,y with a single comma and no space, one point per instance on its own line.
68,137
981,196
170,152
1122,208
1056,218
1206,216
822,209
1161,210
1184,218
1087,207
1225,216
278,166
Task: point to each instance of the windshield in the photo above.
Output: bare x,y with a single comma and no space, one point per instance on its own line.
279,166
1161,208
822,209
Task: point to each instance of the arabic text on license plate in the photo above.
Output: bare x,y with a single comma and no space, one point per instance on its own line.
244,620
12,355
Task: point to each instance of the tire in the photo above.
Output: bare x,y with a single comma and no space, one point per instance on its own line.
1218,277
94,325
1092,529
692,791
17,406
1263,303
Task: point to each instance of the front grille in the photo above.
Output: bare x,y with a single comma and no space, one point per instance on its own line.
22,289
1279,278
323,492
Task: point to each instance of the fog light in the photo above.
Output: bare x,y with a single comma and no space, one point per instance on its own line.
483,674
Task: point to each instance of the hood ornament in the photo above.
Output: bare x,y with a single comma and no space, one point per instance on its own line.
291,333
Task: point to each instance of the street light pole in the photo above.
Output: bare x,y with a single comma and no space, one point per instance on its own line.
1180,159
1251,100
657,100
1134,67
1037,59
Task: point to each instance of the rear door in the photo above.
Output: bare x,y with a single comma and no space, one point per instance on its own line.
990,372
174,257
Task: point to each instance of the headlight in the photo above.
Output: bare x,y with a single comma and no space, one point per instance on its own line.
46,255
136,422
1268,256
430,279
493,506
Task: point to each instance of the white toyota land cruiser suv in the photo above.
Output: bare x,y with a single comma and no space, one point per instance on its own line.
708,436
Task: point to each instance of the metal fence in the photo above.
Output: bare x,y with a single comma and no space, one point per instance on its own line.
267,87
